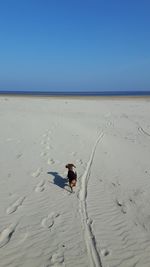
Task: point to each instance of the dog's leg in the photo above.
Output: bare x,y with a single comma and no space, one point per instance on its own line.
71,188
70,185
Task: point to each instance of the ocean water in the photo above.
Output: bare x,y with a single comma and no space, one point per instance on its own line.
78,93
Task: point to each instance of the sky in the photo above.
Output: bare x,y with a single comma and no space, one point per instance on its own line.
74,45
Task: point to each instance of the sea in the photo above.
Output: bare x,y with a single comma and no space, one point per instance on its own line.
77,93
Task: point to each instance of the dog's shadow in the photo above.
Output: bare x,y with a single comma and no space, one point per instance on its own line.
59,180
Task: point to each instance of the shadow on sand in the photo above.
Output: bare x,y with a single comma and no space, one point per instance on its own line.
59,180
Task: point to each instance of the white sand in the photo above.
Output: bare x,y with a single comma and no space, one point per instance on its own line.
106,222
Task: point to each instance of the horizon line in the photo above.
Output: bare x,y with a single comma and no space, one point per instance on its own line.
77,93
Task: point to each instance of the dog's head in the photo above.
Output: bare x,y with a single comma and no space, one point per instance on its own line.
70,166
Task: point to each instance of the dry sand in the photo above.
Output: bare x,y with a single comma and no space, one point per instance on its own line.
106,221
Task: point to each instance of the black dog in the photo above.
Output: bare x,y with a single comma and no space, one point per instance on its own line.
72,175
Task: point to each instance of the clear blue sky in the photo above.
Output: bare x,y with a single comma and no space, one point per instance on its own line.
75,45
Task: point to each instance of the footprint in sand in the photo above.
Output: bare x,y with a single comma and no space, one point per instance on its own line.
43,154
48,222
122,206
44,135
15,205
40,186
43,142
6,235
79,161
37,172
47,147
57,259
105,252
50,161
19,155
119,203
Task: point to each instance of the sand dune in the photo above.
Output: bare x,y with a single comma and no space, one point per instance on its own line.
106,221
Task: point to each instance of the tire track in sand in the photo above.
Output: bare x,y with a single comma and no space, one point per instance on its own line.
143,131
94,257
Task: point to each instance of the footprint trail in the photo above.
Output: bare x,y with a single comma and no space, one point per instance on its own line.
15,205
48,222
40,186
37,172
6,235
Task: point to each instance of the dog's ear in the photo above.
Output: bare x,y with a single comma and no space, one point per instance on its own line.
71,165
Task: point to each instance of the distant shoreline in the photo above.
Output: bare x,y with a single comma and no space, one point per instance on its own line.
78,94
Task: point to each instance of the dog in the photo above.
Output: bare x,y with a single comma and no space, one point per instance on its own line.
72,175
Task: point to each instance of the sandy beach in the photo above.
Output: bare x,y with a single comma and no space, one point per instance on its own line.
106,221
